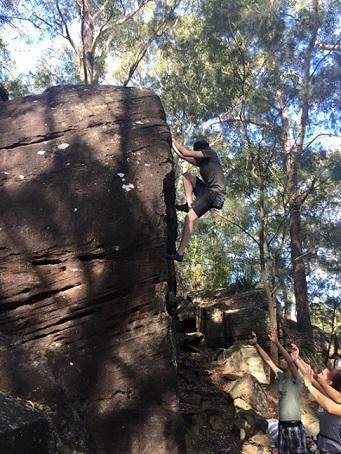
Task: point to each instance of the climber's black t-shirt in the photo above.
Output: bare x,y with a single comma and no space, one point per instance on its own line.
211,171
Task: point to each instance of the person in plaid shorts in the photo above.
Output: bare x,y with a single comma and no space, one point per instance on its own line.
291,434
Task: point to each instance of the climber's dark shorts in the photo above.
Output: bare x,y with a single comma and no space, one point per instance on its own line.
205,199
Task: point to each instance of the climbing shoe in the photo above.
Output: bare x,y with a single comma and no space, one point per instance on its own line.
184,207
175,256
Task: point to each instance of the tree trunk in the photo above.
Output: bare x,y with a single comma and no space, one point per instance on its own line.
288,303
87,35
299,273
272,308
291,158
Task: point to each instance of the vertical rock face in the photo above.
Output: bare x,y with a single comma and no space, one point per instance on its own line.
86,193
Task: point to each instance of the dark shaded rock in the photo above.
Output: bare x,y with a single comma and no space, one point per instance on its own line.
87,209
186,339
22,429
185,310
225,319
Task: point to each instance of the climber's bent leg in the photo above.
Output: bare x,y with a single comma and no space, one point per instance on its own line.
187,232
192,185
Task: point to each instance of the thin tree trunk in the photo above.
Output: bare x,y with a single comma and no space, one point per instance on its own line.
265,276
297,261
87,35
299,273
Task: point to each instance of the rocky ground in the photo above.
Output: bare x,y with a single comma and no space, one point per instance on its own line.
225,395
207,408
214,424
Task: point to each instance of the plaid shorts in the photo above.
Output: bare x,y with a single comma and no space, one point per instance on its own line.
291,438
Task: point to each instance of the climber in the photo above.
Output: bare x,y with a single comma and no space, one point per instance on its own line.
209,192
291,436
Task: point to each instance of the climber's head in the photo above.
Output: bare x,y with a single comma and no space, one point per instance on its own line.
201,143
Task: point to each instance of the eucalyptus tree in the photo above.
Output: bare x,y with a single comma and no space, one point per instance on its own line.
94,30
268,68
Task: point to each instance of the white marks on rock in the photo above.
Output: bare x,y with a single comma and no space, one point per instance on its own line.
41,152
128,187
63,146
21,177
75,210
138,122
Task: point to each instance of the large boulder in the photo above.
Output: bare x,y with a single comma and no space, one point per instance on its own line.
225,318
87,213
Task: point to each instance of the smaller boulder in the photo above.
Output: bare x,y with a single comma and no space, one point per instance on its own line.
257,444
247,394
250,406
244,357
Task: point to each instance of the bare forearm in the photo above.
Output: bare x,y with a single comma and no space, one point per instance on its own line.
263,353
329,405
303,367
288,358
285,354
331,392
183,150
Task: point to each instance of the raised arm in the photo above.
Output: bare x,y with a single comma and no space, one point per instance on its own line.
328,390
274,338
303,366
329,405
266,358
185,153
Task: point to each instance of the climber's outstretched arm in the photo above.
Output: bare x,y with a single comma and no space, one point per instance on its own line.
184,153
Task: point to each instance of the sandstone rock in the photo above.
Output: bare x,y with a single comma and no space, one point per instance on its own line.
22,429
185,310
225,319
247,394
87,213
250,405
257,444
244,357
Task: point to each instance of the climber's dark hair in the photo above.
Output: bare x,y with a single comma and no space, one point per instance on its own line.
201,144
